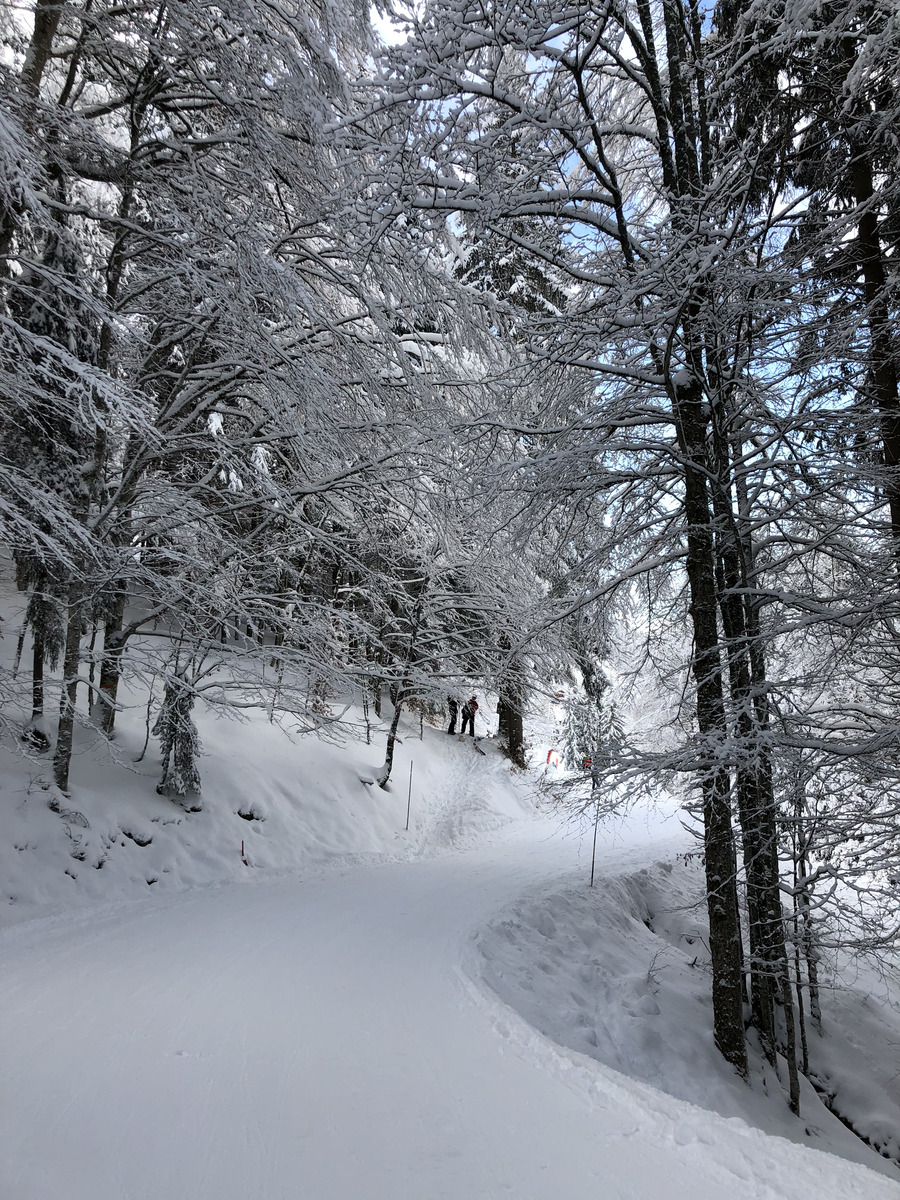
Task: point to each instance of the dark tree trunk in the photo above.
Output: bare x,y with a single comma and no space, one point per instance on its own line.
801,1007
37,674
46,19
71,661
882,354
786,996
502,718
721,883
34,733
511,726
807,932
515,737
20,645
111,665
385,773
754,802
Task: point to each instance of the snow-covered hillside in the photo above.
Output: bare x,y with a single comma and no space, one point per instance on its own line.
620,973
271,802
448,1012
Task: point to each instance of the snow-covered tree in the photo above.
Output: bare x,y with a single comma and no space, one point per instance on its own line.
179,741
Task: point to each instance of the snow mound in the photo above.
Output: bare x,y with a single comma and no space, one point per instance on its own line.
273,804
620,973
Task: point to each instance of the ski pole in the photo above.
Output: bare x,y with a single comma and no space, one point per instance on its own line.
409,795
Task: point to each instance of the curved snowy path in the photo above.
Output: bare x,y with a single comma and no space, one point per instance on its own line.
321,1039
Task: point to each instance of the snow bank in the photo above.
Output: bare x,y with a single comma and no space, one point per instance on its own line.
272,803
620,973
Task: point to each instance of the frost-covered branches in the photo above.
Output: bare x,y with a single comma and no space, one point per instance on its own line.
568,321
628,187
231,420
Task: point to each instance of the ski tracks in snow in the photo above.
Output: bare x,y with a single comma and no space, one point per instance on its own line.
331,1040
466,813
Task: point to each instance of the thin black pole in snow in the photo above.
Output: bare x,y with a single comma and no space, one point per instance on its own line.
409,795
594,849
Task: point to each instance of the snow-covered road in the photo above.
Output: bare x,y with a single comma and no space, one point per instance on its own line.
322,1040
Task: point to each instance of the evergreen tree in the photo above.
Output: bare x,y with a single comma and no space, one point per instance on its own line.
592,733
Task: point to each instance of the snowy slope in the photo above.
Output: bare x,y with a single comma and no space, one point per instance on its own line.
620,973
302,801
359,1011
326,1039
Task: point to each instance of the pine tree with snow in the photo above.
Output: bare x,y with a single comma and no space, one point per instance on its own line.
591,730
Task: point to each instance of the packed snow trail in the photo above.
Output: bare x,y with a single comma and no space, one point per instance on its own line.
322,1040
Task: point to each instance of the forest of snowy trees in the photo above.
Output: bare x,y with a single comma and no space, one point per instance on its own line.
335,371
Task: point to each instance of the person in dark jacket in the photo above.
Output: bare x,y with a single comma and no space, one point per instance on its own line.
454,709
470,708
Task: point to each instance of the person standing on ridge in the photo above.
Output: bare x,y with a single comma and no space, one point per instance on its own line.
470,708
454,709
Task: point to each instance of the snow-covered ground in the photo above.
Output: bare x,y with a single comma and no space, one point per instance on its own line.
278,801
620,973
365,1013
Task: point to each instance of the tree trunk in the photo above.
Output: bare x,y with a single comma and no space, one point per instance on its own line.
807,932
71,661
754,803
111,665
385,773
801,1007
46,19
882,354
20,645
790,1050
721,884
34,732
751,715
511,726
37,674
75,609
515,736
